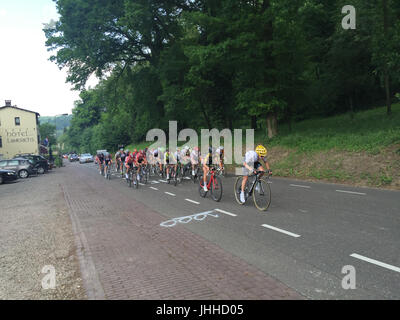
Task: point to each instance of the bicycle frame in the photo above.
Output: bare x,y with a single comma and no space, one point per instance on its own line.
258,176
212,173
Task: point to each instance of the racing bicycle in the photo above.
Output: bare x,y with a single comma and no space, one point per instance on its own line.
214,185
256,187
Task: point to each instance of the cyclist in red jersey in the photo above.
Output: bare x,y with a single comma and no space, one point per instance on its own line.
129,162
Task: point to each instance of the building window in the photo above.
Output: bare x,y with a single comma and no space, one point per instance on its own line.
17,121
1,142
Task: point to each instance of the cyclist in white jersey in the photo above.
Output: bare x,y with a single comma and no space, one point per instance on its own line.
251,164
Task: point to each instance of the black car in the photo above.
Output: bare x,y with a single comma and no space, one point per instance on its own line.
23,167
39,162
73,157
7,175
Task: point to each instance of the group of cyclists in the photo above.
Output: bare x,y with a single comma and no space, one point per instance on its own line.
188,159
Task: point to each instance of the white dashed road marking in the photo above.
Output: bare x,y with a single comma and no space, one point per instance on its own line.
376,262
299,186
281,230
225,212
352,192
195,202
154,188
171,194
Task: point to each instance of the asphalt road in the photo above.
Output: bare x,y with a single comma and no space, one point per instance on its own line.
308,235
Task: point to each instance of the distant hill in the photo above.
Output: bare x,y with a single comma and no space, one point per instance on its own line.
61,122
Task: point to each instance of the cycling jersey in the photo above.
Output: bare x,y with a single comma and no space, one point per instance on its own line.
129,160
177,156
166,157
208,159
252,157
219,152
140,158
194,156
107,161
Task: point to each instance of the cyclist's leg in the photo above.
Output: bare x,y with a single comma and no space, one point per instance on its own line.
206,169
246,173
127,171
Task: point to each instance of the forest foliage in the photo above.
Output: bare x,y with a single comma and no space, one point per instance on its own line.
220,63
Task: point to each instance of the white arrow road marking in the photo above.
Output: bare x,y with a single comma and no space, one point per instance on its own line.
376,262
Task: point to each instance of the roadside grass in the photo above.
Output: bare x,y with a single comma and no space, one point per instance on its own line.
369,131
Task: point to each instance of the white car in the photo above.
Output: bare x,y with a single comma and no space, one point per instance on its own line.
85,158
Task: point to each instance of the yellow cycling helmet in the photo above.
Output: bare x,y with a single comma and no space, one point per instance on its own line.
261,151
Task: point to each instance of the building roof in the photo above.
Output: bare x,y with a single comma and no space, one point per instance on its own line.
14,107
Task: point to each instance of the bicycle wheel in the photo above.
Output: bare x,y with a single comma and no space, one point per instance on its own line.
238,189
194,177
176,177
216,189
262,195
130,179
144,175
171,174
135,179
201,187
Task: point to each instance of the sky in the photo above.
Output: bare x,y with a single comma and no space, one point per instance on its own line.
27,77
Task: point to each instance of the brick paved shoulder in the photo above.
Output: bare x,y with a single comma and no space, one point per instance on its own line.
126,255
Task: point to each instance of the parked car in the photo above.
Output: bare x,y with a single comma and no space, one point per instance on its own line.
73,157
23,167
85,158
7,175
40,162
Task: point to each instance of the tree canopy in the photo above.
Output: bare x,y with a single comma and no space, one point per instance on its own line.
222,64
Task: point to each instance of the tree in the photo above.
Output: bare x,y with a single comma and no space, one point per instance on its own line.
48,130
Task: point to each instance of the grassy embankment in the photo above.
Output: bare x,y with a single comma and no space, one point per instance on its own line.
363,150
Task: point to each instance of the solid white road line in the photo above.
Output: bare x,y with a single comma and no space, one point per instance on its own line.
195,202
225,212
171,194
299,186
352,192
378,263
280,230
154,188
